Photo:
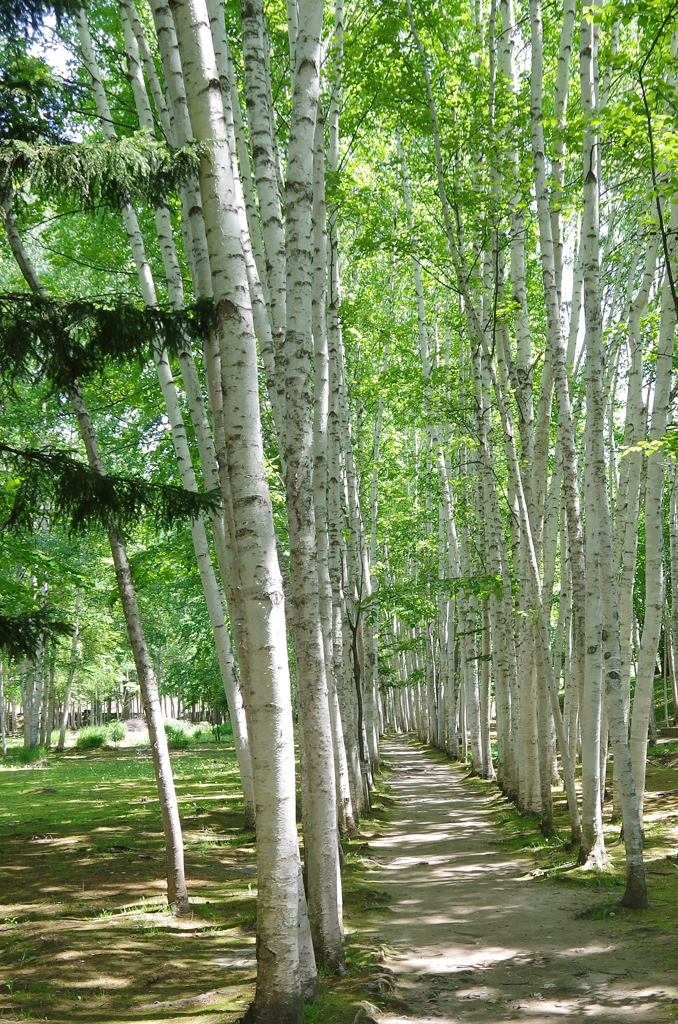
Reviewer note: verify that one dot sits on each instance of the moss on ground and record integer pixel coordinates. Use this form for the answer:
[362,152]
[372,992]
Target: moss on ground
[83,923]
[555,862]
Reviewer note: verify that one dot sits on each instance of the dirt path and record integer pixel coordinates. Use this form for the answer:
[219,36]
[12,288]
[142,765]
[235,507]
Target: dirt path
[472,937]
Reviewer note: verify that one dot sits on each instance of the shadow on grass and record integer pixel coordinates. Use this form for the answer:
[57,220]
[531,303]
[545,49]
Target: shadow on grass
[84,927]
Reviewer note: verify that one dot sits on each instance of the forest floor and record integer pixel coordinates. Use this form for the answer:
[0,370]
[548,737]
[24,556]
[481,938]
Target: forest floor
[446,919]
[474,932]
[85,934]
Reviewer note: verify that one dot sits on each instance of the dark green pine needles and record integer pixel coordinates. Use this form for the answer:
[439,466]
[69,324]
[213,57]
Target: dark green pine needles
[108,174]
[21,635]
[18,16]
[72,493]
[64,341]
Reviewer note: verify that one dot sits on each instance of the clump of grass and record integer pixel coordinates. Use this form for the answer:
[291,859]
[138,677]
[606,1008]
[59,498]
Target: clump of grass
[117,732]
[177,738]
[92,737]
[26,755]
[203,735]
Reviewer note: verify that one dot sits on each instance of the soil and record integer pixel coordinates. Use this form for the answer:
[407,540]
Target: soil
[470,935]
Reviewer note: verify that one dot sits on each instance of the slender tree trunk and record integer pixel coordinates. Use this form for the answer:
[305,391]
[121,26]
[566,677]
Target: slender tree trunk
[555,342]
[317,776]
[673,561]
[636,894]
[654,573]
[3,730]
[345,817]
[177,893]
[593,842]
[486,696]
[346,694]
[278,995]
[628,509]
[72,664]
[213,596]
[592,851]
[260,125]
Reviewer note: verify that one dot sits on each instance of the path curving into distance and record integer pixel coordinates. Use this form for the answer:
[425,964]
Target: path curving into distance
[471,936]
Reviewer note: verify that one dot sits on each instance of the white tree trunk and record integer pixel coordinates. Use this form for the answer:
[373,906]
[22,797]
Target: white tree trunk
[654,538]
[346,821]
[260,125]
[635,895]
[213,596]
[593,842]
[72,665]
[177,893]
[278,994]
[317,758]
[3,730]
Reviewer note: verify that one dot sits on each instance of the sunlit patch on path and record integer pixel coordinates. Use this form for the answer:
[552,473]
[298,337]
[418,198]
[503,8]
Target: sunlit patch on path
[471,937]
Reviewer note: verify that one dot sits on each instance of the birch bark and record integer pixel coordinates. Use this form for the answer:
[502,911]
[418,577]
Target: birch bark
[212,593]
[72,665]
[347,825]
[628,508]
[635,895]
[317,777]
[654,533]
[346,692]
[554,337]
[278,995]
[593,843]
[260,122]
[3,729]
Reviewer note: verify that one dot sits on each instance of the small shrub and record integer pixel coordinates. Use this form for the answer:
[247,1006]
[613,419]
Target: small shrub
[117,732]
[224,731]
[92,737]
[26,755]
[177,738]
[204,734]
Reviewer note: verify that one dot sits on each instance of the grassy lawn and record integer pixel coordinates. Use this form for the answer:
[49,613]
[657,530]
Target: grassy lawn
[84,929]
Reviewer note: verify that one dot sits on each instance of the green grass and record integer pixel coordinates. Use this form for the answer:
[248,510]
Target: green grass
[83,917]
[25,755]
[81,885]
[92,737]
[177,737]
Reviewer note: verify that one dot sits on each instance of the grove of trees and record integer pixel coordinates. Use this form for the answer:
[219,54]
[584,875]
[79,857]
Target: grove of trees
[337,370]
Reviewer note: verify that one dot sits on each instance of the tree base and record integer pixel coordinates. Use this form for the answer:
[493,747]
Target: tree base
[593,860]
[547,829]
[333,961]
[635,897]
[276,1011]
[181,908]
[310,989]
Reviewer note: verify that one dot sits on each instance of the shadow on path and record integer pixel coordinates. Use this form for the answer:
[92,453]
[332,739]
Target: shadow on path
[472,937]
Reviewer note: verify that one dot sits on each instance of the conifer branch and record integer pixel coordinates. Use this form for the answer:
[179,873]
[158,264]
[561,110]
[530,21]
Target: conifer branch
[16,16]
[111,173]
[20,635]
[81,498]
[69,340]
